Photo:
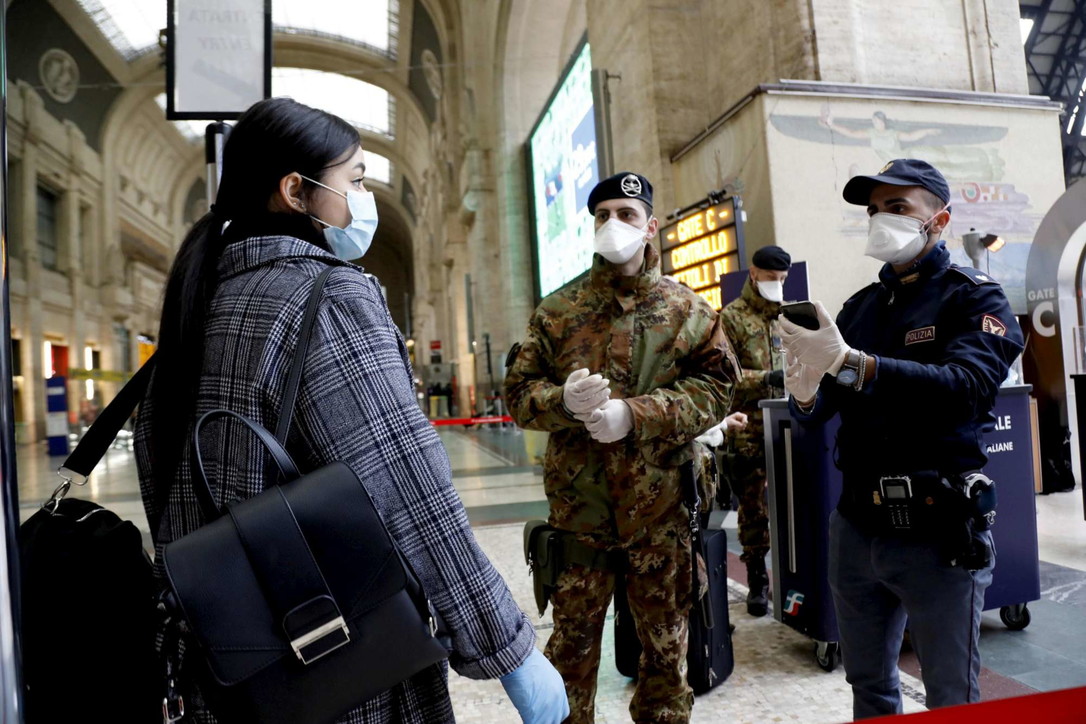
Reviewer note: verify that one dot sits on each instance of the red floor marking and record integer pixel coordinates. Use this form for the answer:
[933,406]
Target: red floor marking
[471,420]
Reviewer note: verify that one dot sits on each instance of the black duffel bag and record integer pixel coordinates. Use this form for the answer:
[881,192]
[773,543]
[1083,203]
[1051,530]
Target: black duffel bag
[88,620]
[299,600]
[88,596]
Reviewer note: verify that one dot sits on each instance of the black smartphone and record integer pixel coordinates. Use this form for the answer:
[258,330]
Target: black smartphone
[801,313]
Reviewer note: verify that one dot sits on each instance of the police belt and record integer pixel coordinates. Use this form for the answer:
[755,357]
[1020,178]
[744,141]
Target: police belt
[933,499]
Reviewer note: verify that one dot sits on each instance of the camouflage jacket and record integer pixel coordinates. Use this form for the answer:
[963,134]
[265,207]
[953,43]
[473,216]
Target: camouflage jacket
[665,353]
[751,324]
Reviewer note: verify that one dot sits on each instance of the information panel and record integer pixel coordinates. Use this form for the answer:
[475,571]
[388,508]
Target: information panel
[218,59]
[702,246]
[563,170]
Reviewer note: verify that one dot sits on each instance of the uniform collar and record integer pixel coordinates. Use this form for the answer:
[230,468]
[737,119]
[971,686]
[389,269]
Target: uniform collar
[605,276]
[930,265]
[757,302]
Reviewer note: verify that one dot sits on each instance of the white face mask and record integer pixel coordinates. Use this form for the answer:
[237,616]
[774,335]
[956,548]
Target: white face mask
[772,291]
[896,239]
[617,242]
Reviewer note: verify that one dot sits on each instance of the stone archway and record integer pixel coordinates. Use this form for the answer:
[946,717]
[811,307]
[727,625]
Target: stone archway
[1053,302]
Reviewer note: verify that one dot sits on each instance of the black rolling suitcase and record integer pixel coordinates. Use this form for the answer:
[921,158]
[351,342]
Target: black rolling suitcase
[709,657]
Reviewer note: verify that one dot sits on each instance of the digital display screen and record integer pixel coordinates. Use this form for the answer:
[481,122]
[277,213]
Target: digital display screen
[564,169]
[701,247]
[896,490]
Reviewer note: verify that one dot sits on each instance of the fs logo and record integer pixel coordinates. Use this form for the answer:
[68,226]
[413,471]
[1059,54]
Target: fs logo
[792,603]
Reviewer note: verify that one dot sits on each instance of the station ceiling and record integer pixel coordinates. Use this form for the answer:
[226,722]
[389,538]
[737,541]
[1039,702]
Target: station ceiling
[1055,48]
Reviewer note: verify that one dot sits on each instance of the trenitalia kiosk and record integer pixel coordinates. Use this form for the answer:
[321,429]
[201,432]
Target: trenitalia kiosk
[804,485]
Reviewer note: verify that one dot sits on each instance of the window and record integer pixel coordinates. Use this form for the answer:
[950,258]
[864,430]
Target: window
[47,228]
[132,26]
[367,22]
[362,104]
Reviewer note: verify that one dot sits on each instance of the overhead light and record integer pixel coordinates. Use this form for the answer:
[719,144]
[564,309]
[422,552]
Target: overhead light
[992,243]
[976,245]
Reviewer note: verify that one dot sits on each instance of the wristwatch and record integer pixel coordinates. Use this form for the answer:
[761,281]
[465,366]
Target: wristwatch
[849,373]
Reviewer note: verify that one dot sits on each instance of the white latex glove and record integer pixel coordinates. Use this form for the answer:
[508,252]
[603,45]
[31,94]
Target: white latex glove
[584,393]
[714,436]
[734,421]
[822,349]
[610,423]
[801,380]
[537,691]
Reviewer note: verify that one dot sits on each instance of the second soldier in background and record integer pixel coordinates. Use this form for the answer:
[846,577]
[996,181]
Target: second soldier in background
[624,368]
[751,324]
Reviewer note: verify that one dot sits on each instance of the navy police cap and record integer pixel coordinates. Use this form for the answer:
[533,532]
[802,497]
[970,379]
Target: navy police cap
[623,185]
[899,172]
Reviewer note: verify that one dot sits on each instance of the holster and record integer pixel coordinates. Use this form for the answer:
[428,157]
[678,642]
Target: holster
[542,553]
[548,550]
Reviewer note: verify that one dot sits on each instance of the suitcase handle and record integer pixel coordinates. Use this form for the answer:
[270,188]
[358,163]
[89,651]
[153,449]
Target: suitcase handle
[790,498]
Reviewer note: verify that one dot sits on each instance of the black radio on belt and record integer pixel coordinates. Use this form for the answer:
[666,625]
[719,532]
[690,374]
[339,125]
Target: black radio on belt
[896,492]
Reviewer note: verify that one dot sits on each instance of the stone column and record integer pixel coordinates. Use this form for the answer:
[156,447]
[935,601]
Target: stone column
[34,375]
[456,347]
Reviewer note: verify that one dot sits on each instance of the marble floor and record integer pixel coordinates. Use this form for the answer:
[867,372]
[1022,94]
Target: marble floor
[776,678]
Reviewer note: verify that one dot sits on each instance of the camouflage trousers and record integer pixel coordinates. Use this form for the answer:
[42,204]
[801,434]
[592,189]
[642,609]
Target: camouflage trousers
[658,581]
[748,479]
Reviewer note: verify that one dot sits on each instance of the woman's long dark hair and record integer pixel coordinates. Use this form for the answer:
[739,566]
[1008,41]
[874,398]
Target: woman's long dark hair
[271,139]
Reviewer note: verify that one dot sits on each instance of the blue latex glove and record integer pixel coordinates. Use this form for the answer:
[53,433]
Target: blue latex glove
[537,691]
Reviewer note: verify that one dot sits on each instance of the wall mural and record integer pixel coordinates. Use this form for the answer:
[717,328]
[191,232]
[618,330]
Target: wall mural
[968,155]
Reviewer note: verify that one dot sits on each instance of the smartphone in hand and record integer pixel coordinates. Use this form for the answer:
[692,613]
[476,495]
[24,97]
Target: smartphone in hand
[801,313]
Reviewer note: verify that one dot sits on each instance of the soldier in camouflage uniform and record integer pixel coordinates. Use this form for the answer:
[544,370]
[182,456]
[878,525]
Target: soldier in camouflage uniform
[612,474]
[751,325]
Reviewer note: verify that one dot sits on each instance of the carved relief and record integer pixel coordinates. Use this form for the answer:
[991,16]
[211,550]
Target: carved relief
[432,70]
[59,75]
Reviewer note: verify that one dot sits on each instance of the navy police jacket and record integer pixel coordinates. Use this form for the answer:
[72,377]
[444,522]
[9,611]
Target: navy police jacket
[945,337]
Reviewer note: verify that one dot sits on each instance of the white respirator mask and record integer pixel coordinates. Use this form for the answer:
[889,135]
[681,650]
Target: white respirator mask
[771,291]
[896,239]
[617,241]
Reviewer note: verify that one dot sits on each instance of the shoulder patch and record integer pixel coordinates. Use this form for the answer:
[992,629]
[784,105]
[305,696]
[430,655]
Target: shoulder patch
[993,325]
[974,275]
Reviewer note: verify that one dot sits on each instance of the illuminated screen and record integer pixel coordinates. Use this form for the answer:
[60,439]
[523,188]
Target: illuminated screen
[701,247]
[563,168]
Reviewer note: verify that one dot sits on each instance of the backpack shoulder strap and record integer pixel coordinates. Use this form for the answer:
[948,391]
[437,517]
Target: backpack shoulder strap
[294,379]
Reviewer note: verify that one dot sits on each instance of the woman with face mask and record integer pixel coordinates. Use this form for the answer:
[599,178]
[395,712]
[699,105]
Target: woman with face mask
[293,202]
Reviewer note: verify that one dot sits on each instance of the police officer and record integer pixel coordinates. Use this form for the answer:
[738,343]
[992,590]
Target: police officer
[913,365]
[624,368]
[751,325]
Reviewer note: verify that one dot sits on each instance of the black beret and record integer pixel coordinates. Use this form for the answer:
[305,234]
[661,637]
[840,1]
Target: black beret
[899,172]
[772,258]
[623,185]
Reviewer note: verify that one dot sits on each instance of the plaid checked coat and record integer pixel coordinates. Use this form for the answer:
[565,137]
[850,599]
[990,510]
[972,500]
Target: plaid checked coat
[357,405]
